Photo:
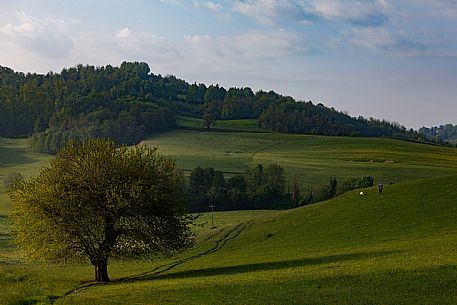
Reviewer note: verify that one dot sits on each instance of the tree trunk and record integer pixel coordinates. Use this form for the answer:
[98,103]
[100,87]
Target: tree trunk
[101,271]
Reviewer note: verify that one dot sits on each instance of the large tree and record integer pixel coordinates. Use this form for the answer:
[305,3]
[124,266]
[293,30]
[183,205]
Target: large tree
[96,201]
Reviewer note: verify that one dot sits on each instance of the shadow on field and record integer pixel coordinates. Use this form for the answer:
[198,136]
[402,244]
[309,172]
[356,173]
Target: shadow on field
[13,156]
[230,270]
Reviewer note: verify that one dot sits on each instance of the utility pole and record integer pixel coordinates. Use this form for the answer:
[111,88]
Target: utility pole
[212,215]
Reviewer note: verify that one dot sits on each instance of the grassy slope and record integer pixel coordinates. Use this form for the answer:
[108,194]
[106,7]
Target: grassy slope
[246,125]
[300,255]
[397,248]
[312,159]
[15,156]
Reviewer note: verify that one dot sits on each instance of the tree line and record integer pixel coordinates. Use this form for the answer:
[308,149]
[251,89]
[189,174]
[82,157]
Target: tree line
[305,117]
[261,187]
[127,102]
[258,188]
[443,134]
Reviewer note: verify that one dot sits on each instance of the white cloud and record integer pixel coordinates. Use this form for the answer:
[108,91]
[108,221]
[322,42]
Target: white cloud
[266,11]
[171,1]
[443,8]
[359,12]
[29,43]
[378,39]
[48,37]
[209,5]
[144,45]
[248,48]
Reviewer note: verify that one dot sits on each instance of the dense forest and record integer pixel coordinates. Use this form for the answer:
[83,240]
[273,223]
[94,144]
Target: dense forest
[127,102]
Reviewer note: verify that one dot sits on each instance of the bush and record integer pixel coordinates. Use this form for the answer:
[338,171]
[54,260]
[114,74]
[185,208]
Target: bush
[11,179]
[356,183]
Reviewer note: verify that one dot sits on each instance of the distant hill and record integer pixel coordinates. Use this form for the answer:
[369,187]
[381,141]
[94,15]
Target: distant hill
[127,102]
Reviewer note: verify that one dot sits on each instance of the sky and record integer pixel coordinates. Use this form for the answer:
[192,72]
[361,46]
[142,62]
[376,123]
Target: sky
[393,60]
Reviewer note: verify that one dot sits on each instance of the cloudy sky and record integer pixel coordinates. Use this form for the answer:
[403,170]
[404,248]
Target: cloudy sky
[386,59]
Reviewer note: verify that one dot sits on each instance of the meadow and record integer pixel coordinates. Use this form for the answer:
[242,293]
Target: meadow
[394,248]
[312,160]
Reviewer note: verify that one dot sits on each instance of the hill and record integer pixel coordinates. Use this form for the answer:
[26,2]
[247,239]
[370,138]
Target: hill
[395,248]
[126,103]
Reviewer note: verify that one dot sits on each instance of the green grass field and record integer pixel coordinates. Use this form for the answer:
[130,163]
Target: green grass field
[310,159]
[396,248]
[194,123]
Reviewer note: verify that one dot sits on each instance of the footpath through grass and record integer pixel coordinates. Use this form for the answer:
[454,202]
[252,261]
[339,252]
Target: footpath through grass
[395,248]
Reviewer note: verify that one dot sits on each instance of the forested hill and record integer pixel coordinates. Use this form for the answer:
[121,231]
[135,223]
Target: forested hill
[127,102]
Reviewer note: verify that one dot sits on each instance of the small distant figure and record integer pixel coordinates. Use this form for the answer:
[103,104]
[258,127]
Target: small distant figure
[380,187]
[361,193]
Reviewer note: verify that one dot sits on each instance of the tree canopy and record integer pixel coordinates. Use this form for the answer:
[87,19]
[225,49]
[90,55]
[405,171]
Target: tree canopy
[96,202]
[257,188]
[128,102]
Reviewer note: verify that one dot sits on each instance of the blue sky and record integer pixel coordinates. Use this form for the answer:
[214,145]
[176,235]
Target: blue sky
[377,58]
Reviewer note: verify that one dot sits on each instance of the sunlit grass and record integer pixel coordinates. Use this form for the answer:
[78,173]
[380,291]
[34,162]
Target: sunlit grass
[396,248]
[309,159]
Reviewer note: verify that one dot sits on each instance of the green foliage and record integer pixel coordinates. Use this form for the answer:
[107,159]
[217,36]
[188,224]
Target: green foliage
[11,180]
[328,191]
[97,201]
[213,99]
[206,187]
[126,126]
[209,120]
[398,248]
[256,189]
[85,102]
[305,117]
[443,134]
[128,102]
[356,183]
[331,187]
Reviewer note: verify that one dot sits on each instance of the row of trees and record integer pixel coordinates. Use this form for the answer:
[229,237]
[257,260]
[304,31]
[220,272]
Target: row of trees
[260,188]
[328,191]
[305,117]
[257,188]
[443,134]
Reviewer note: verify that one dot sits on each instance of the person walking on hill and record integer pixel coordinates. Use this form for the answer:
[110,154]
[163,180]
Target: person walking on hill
[380,187]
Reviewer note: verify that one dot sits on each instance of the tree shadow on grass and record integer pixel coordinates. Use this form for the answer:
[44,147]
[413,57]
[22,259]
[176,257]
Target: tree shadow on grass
[13,156]
[231,270]
[158,273]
